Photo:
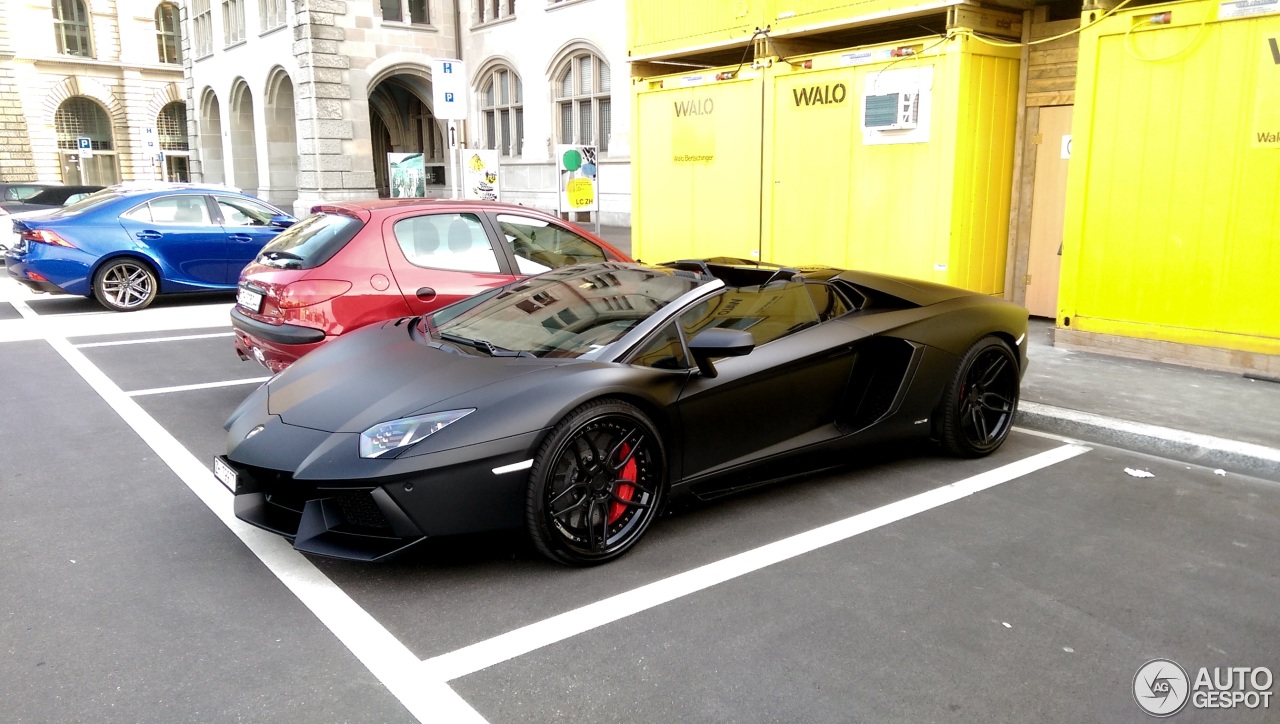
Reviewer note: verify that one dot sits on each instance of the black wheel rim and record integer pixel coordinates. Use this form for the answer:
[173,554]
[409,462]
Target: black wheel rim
[988,399]
[127,285]
[603,486]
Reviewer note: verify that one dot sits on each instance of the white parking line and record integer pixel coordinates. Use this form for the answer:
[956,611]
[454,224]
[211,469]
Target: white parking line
[148,340]
[482,655]
[422,686]
[198,386]
[386,658]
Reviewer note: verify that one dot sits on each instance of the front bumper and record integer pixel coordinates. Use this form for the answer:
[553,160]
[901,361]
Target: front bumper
[402,502]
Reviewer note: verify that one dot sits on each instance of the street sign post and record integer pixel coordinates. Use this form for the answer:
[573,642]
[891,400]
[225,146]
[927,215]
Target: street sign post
[449,102]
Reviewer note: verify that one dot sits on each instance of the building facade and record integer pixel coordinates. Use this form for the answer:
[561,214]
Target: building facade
[304,101]
[91,92]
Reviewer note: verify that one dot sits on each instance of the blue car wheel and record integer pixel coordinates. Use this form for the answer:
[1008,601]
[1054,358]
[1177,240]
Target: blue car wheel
[125,285]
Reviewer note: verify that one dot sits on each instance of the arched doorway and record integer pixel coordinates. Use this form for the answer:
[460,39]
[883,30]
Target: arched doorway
[211,163]
[401,123]
[171,126]
[244,140]
[86,147]
[282,140]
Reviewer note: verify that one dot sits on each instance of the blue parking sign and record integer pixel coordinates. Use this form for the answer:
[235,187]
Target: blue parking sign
[83,143]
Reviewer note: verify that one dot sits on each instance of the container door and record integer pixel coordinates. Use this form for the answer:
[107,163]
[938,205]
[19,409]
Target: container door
[1048,207]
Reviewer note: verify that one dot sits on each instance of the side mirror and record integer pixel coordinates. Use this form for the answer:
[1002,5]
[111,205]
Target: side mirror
[719,342]
[282,221]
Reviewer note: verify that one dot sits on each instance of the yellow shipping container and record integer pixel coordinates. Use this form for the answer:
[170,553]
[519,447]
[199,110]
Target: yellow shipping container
[1173,198]
[663,27]
[894,158]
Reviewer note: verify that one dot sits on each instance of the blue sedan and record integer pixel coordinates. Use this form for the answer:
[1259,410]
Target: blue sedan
[125,246]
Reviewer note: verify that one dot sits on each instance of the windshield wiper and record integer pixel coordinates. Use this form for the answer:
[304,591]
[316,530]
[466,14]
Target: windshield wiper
[485,346]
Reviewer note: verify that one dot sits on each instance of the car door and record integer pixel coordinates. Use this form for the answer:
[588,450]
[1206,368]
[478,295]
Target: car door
[439,258]
[247,225]
[179,231]
[537,245]
[783,395]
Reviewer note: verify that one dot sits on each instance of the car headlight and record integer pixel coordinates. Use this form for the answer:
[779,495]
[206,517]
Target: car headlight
[388,436]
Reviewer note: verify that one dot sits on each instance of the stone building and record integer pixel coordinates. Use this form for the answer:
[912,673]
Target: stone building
[101,74]
[302,101]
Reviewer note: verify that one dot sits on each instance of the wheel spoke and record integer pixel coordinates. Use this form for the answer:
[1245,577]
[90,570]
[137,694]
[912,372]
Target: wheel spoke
[588,524]
[570,509]
[618,446]
[630,454]
[993,371]
[551,504]
[585,439]
[979,423]
[629,503]
[632,483]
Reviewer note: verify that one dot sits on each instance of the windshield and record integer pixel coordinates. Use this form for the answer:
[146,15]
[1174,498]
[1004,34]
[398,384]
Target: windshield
[567,312]
[310,242]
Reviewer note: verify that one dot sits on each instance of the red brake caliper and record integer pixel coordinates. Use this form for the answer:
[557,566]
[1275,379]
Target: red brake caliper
[624,491]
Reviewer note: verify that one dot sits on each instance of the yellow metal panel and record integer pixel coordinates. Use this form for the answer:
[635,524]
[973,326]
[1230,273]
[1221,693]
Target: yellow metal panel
[696,161]
[935,210]
[1173,228]
[791,16]
[986,117]
[666,27]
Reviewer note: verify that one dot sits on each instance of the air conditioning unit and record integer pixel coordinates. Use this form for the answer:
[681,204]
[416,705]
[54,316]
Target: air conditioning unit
[891,111]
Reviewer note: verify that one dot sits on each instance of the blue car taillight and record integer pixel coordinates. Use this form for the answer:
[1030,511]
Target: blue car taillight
[44,236]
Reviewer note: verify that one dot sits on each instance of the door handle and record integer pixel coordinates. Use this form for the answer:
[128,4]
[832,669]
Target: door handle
[240,237]
[148,235]
[426,294]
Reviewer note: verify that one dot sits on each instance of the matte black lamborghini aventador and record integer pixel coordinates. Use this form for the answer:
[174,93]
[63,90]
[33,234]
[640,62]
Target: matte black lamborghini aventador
[574,403]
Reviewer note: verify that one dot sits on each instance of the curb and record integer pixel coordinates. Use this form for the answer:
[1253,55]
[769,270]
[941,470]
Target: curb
[1192,447]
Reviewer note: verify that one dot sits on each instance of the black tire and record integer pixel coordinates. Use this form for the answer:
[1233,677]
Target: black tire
[125,285]
[981,400]
[597,482]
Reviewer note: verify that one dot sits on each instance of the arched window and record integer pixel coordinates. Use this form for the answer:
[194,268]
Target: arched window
[168,42]
[171,126]
[582,100]
[71,27]
[502,106]
[79,117]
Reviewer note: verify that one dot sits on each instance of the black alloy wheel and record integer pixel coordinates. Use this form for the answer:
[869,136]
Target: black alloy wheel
[981,400]
[125,285]
[596,484]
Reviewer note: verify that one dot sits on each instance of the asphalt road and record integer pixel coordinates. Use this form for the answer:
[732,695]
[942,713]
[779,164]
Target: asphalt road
[1031,589]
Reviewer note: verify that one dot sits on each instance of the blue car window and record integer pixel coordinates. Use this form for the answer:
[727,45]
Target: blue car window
[187,209]
[243,212]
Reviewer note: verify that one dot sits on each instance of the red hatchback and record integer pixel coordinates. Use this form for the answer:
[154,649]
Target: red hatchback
[355,263]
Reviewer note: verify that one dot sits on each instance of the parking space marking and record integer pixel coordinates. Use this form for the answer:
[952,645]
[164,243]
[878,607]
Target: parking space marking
[482,655]
[198,386]
[389,660]
[149,340]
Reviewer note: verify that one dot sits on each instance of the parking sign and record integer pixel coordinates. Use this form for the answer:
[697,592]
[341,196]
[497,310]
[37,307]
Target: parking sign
[85,145]
[449,89]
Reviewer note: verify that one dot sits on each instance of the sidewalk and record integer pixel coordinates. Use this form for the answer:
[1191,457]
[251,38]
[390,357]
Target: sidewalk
[1216,419]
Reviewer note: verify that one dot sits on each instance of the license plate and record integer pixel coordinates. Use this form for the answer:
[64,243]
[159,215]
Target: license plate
[249,299]
[224,474]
